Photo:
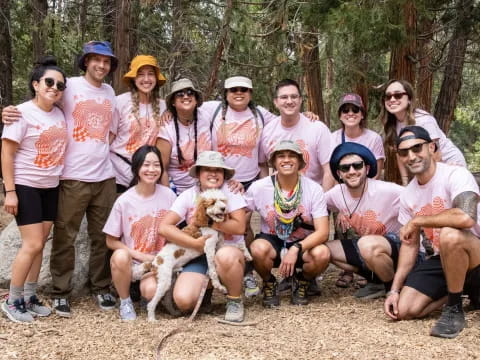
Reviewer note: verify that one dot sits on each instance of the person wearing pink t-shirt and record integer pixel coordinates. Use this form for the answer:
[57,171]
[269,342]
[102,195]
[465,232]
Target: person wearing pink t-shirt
[33,151]
[314,138]
[132,227]
[185,136]
[211,172]
[294,225]
[443,201]
[136,119]
[399,109]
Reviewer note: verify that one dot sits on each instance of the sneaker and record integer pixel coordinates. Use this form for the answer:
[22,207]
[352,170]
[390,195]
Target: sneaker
[251,286]
[285,286]
[105,301]
[313,288]
[36,308]
[17,311]
[270,293]
[299,294]
[127,312]
[370,291]
[235,311]
[451,322]
[62,307]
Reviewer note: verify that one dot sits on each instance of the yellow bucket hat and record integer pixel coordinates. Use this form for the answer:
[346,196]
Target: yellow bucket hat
[139,61]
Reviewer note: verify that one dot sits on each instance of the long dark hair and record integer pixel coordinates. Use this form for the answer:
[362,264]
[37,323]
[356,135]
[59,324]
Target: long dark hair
[138,158]
[43,64]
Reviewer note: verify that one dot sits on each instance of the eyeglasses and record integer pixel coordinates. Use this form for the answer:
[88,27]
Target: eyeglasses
[293,97]
[238,89]
[182,93]
[415,149]
[50,82]
[357,165]
[397,95]
[353,108]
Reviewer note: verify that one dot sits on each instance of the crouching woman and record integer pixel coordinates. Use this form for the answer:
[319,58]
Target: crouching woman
[211,173]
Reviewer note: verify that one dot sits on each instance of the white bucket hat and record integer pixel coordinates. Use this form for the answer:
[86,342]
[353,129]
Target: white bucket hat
[238,81]
[211,159]
[287,145]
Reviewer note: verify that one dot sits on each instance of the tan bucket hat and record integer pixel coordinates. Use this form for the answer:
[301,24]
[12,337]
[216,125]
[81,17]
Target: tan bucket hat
[211,159]
[287,145]
[180,85]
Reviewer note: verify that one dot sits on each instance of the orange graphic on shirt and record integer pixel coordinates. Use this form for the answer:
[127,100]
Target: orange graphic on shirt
[92,120]
[237,138]
[141,132]
[366,224]
[436,207]
[145,233]
[188,149]
[303,148]
[51,147]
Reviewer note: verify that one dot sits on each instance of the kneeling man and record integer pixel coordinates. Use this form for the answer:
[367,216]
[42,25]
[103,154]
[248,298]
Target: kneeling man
[294,225]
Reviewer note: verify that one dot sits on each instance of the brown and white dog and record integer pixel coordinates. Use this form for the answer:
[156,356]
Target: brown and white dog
[211,207]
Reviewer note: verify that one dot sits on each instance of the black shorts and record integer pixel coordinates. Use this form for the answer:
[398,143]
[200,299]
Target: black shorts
[246,184]
[277,244]
[36,205]
[428,278]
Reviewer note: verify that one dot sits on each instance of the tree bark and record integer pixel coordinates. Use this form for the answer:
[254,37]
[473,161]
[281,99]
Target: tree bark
[217,57]
[83,20]
[329,79]
[452,76]
[425,75]
[39,33]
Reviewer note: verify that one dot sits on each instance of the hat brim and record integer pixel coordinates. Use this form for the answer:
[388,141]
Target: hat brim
[350,148]
[132,74]
[301,166]
[113,64]
[229,172]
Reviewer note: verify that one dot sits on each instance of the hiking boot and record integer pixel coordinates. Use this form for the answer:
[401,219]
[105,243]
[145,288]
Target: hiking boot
[451,322]
[251,286]
[235,311]
[370,291]
[36,308]
[127,311]
[299,293]
[313,288]
[285,286]
[105,301]
[61,307]
[270,293]
[17,311]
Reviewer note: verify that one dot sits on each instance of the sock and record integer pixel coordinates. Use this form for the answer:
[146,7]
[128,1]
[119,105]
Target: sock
[15,293]
[234,298]
[125,301]
[454,298]
[29,289]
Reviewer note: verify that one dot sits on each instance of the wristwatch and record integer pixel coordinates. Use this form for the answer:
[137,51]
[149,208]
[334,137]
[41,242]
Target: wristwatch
[299,246]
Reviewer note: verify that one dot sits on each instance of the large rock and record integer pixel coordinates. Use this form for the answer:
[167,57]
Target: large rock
[10,243]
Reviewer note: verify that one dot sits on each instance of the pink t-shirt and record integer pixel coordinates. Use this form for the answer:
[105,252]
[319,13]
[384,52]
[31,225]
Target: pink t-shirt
[179,172]
[135,219]
[131,133]
[450,153]
[377,212]
[185,204]
[313,205]
[42,139]
[238,137]
[436,196]
[313,137]
[88,112]
[368,138]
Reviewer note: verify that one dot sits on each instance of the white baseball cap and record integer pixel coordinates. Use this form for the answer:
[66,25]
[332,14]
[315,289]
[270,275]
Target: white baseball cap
[238,81]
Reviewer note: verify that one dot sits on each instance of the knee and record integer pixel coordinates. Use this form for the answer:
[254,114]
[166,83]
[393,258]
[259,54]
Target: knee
[228,256]
[450,238]
[120,259]
[320,254]
[32,247]
[184,300]
[260,249]
[147,289]
[408,311]
[370,249]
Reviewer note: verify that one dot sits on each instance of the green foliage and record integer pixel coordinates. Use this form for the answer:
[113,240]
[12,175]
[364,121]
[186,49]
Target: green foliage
[465,133]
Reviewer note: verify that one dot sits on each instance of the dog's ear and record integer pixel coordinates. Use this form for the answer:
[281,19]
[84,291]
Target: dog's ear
[201,219]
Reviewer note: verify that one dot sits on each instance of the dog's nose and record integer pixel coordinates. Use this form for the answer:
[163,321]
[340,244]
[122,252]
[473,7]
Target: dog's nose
[222,209]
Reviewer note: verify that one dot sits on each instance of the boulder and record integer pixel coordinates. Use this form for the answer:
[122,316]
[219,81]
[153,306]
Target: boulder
[10,243]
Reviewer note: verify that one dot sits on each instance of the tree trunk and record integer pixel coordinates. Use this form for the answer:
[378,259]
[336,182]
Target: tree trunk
[329,80]
[313,77]
[452,76]
[39,32]
[425,75]
[360,76]
[217,57]
[83,20]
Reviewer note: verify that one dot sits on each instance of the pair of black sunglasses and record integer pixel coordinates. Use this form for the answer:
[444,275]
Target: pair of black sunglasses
[348,108]
[50,82]
[397,95]
[182,93]
[415,149]
[357,165]
[238,88]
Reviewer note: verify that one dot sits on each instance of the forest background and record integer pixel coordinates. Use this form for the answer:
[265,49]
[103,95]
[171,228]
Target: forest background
[329,46]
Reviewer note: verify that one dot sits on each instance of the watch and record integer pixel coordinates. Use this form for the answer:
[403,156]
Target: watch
[299,246]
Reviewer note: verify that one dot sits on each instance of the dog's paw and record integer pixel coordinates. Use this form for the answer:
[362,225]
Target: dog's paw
[248,257]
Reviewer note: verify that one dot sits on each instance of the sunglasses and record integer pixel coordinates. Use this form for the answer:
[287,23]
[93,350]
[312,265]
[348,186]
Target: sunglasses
[50,82]
[238,88]
[352,108]
[357,165]
[182,93]
[397,95]
[415,149]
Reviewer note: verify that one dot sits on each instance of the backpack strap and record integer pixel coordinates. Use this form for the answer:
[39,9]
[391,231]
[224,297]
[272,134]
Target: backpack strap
[261,116]
[214,116]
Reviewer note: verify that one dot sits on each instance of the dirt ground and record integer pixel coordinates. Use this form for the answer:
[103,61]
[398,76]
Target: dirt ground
[333,326]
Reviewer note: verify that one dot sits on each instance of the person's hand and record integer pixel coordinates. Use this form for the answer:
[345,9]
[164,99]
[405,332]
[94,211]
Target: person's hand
[11,203]
[312,116]
[409,233]
[10,114]
[235,186]
[391,305]
[342,222]
[166,117]
[145,257]
[287,266]
[199,244]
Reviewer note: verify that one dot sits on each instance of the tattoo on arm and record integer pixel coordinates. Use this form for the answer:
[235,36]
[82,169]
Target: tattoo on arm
[467,202]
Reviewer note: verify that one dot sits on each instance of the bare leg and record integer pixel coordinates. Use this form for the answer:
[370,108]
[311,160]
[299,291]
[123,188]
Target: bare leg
[121,265]
[263,255]
[316,261]
[230,263]
[377,254]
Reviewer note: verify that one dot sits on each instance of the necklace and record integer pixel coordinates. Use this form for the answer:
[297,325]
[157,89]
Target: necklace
[350,213]
[286,209]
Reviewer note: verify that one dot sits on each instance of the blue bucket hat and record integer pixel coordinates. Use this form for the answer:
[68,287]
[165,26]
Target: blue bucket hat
[351,148]
[100,48]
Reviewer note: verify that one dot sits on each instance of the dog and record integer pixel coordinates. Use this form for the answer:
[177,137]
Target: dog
[211,207]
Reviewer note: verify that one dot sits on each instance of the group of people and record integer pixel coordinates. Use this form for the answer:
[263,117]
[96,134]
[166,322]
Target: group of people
[134,164]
